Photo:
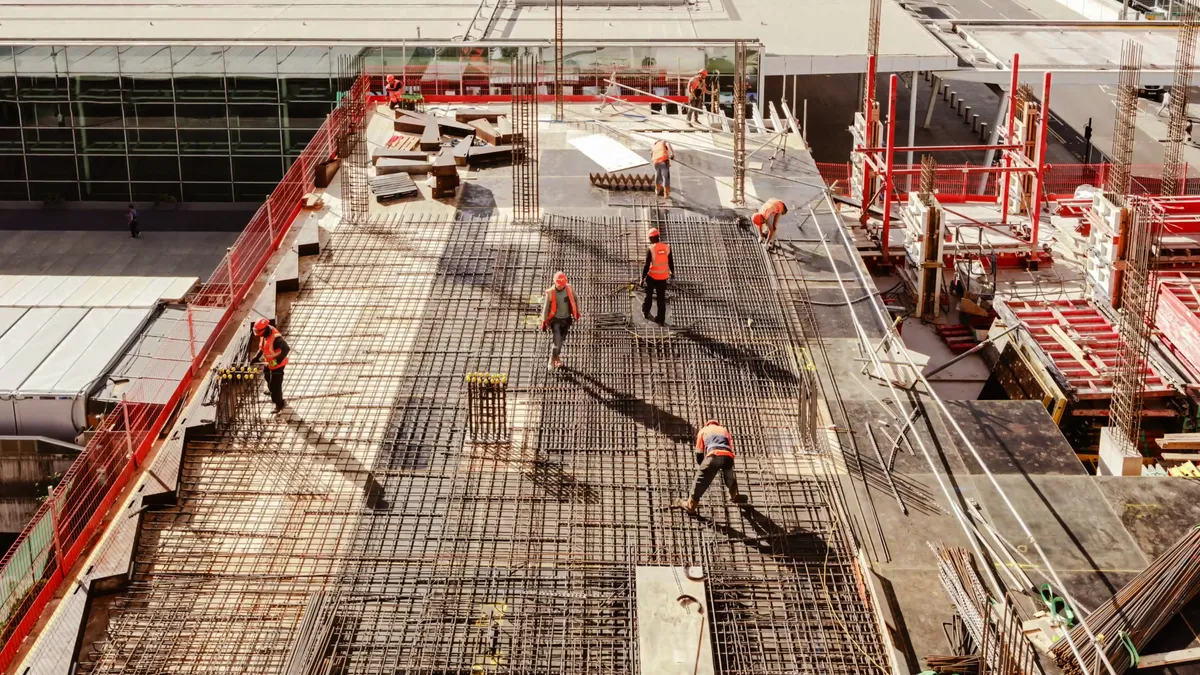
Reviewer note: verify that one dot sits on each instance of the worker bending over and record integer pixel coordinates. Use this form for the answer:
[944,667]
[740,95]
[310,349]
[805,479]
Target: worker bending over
[697,87]
[273,352]
[658,269]
[714,453]
[559,310]
[767,220]
[394,91]
[662,154]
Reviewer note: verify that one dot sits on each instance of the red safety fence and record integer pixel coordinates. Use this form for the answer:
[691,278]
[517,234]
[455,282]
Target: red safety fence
[466,79]
[35,566]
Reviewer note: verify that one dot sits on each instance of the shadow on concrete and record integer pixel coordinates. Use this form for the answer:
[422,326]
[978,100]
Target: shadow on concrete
[344,462]
[794,545]
[646,414]
[755,363]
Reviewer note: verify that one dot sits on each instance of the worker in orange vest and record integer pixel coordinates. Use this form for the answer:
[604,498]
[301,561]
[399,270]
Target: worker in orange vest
[273,352]
[560,309]
[767,220]
[394,91]
[697,87]
[661,155]
[714,454]
[658,269]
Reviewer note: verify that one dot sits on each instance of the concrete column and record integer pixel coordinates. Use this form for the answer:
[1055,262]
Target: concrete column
[912,122]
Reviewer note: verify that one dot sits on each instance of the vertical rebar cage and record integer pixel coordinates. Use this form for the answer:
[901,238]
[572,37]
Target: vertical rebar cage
[739,123]
[526,206]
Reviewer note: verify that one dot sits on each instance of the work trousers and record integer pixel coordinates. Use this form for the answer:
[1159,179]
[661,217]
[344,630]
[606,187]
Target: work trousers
[275,386]
[696,101]
[709,468]
[767,231]
[662,175]
[134,231]
[558,334]
[656,287]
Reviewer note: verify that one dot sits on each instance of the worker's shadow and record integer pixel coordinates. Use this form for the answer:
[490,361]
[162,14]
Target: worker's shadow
[545,474]
[756,364]
[769,538]
[344,461]
[646,414]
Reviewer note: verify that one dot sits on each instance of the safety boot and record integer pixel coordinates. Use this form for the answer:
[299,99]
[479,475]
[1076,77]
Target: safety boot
[737,497]
[666,193]
[686,504]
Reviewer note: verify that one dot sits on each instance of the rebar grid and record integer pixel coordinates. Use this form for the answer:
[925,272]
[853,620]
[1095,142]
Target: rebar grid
[558,60]
[517,557]
[1173,178]
[739,123]
[352,144]
[1125,128]
[526,206]
[928,179]
[1139,304]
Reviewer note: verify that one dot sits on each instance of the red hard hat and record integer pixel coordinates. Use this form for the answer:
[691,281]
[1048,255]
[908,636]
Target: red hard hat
[712,423]
[758,219]
[391,78]
[652,232]
[261,326]
[704,71]
[560,279]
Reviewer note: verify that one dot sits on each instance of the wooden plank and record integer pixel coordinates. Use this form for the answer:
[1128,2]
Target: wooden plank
[1073,349]
[485,130]
[488,154]
[388,166]
[469,114]
[431,140]
[409,124]
[1169,658]
[444,164]
[381,153]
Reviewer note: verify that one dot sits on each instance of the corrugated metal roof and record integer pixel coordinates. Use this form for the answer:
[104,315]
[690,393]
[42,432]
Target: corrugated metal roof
[27,344]
[85,353]
[80,291]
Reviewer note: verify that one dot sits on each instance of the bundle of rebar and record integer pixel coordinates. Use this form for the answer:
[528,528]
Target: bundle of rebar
[237,392]
[487,403]
[1130,619]
[949,664]
[308,655]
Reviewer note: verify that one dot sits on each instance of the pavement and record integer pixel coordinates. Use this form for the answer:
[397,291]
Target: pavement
[76,253]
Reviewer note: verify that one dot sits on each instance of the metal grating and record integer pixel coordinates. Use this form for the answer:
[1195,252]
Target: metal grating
[449,556]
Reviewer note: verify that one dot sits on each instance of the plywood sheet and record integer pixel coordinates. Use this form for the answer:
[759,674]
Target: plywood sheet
[608,153]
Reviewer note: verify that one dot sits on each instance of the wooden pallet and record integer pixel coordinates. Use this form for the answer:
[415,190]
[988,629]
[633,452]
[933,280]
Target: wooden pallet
[395,186]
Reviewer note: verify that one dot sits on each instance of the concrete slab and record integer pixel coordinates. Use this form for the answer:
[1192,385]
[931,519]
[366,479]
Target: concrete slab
[672,614]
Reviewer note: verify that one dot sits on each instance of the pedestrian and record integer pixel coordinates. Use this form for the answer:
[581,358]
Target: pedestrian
[767,221]
[134,232]
[655,273]
[273,351]
[662,154]
[714,454]
[610,92]
[560,309]
[1166,104]
[697,87]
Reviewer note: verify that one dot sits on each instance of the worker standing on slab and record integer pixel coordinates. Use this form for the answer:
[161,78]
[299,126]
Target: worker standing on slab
[655,273]
[767,220]
[714,453]
[273,352]
[697,87]
[662,154]
[560,309]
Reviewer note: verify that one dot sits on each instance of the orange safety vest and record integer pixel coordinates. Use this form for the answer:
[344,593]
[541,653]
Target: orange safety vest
[269,351]
[695,83]
[660,267]
[661,152]
[772,207]
[714,439]
[554,301]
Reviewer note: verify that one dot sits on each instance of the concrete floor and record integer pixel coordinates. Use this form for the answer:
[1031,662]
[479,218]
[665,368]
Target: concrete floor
[112,253]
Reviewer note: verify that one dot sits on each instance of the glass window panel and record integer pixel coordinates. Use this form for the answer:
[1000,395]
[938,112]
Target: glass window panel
[50,115]
[296,141]
[250,116]
[264,89]
[253,61]
[110,141]
[257,169]
[150,115]
[103,167]
[40,60]
[98,115]
[156,168]
[7,63]
[49,140]
[14,191]
[42,88]
[157,192]
[205,168]
[148,89]
[252,192]
[12,167]
[306,62]
[104,192]
[207,192]
[307,115]
[192,141]
[200,89]
[200,116]
[201,60]
[256,142]
[8,86]
[393,57]
[92,60]
[306,89]
[10,140]
[93,88]
[51,167]
[145,141]
[9,116]
[54,192]
[141,61]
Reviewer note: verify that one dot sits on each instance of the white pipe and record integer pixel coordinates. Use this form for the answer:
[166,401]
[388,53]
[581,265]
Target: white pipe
[912,123]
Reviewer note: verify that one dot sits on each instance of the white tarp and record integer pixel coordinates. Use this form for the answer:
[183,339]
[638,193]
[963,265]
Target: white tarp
[606,152]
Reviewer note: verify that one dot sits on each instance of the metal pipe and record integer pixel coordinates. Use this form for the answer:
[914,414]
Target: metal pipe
[912,122]
[969,352]
[868,136]
[888,183]
[1012,118]
[1036,202]
[941,148]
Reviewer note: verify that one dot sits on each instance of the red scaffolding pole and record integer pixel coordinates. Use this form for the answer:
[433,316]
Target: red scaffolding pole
[1012,120]
[868,104]
[1035,206]
[887,172]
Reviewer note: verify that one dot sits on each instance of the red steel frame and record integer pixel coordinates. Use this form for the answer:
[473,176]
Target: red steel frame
[1178,317]
[36,565]
[1014,162]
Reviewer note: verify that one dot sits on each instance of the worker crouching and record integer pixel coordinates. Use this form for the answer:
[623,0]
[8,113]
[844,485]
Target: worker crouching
[560,309]
[767,221]
[273,352]
[714,452]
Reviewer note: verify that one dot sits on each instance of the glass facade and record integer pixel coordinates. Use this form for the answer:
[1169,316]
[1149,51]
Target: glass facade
[218,124]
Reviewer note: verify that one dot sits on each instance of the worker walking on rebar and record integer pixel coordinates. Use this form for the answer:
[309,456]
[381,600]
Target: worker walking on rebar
[560,309]
[767,220]
[656,272]
[697,87]
[714,454]
[273,351]
[661,155]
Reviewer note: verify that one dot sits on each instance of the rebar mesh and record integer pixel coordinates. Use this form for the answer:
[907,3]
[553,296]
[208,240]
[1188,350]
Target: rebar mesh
[1173,178]
[1124,128]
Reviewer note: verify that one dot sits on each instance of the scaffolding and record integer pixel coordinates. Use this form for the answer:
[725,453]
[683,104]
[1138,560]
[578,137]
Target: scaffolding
[525,160]
[1174,168]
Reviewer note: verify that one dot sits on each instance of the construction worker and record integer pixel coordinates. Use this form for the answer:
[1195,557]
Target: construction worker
[697,87]
[559,310]
[767,220]
[714,454]
[658,269]
[394,91]
[662,154]
[610,92]
[273,352]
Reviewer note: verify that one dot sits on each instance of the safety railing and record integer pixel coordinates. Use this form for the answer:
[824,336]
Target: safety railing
[467,79]
[65,524]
